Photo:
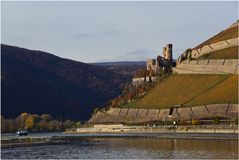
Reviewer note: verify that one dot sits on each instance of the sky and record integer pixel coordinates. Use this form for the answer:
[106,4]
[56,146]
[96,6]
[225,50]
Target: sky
[113,31]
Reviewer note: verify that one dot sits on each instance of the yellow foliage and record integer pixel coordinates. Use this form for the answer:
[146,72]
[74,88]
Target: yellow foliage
[30,122]
[196,122]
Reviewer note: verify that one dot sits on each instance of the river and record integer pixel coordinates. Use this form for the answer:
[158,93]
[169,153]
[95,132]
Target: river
[125,147]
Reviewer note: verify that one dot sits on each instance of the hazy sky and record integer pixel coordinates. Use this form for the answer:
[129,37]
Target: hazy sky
[112,31]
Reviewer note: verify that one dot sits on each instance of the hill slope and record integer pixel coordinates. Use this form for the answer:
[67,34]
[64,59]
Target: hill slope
[39,82]
[228,33]
[127,68]
[191,90]
[226,53]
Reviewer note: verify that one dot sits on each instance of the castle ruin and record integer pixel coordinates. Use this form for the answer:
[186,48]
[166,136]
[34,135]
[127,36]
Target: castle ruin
[165,62]
[153,66]
[168,52]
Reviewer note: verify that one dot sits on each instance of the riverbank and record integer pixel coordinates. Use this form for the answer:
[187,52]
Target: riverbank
[120,128]
[74,138]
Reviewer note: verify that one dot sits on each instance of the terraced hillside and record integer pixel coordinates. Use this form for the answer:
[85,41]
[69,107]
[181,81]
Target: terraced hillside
[226,53]
[191,90]
[230,32]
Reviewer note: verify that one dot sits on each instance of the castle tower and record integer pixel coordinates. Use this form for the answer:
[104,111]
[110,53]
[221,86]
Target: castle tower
[168,52]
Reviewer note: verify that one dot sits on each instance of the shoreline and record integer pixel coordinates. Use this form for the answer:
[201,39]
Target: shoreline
[76,137]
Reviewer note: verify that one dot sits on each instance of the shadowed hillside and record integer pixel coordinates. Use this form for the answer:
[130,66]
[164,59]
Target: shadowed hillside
[39,82]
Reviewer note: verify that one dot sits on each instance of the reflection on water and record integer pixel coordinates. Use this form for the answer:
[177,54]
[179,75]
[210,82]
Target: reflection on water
[129,148]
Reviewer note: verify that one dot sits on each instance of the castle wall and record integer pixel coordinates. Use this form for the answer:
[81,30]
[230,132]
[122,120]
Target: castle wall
[134,115]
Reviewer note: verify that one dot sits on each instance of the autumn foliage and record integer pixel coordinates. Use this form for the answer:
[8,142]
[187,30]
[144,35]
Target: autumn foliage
[36,123]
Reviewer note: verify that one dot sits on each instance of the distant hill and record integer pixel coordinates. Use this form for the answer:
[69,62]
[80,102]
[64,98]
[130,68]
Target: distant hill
[39,82]
[127,68]
[121,63]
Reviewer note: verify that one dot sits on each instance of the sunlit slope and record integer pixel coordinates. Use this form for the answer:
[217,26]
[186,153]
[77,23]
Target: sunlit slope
[231,32]
[226,53]
[227,91]
[191,90]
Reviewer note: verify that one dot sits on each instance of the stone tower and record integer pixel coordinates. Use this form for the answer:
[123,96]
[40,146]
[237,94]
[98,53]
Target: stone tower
[168,52]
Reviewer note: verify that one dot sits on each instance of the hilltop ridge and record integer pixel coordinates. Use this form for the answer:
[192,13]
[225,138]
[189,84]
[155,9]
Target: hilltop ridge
[39,82]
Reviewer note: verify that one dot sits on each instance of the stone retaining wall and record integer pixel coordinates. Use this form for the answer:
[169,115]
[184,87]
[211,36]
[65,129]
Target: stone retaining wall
[223,66]
[214,47]
[134,115]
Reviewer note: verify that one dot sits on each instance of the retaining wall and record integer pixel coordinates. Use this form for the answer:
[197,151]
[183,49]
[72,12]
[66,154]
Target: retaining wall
[222,66]
[214,47]
[133,115]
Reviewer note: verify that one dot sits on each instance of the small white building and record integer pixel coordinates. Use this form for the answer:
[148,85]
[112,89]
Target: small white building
[141,80]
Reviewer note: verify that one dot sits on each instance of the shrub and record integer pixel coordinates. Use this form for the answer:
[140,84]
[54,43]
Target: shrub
[236,121]
[216,120]
[196,122]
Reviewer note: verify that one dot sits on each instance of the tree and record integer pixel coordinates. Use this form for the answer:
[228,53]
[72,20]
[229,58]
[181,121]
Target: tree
[54,125]
[11,125]
[46,117]
[43,126]
[78,124]
[21,120]
[3,125]
[30,122]
[68,124]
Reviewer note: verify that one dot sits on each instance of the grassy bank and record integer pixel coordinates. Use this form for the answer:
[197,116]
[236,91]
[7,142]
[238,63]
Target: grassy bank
[190,90]
[227,53]
[223,35]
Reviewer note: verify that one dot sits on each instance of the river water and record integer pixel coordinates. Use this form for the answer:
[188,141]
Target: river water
[122,147]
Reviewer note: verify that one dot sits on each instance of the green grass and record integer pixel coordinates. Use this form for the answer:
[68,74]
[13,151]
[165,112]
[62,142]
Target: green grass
[227,53]
[190,90]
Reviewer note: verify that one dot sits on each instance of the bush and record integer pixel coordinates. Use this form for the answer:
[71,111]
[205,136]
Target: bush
[96,110]
[216,120]
[168,122]
[196,122]
[236,121]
